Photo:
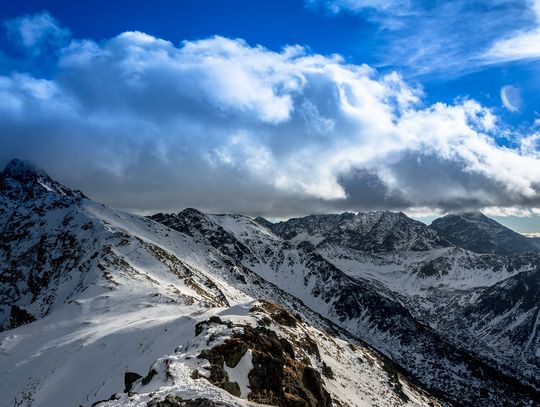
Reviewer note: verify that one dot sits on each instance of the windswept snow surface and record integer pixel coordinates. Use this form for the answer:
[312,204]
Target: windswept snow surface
[360,378]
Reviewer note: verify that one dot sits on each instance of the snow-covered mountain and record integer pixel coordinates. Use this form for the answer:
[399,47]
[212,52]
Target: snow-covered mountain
[190,309]
[476,232]
[369,311]
[443,287]
[98,302]
[379,231]
[501,320]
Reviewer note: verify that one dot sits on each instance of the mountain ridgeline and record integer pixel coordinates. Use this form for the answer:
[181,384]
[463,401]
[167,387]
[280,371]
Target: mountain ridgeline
[476,232]
[100,307]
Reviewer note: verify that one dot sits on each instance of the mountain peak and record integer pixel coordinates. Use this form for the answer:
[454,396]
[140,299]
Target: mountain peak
[263,221]
[472,215]
[479,233]
[22,170]
[375,231]
[20,177]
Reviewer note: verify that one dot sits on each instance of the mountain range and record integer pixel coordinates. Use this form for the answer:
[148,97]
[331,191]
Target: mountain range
[101,307]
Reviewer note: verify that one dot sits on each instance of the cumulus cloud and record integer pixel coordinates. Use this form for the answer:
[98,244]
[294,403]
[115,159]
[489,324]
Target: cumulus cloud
[219,124]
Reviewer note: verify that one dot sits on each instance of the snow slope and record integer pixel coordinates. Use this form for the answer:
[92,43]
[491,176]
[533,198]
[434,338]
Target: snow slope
[443,287]
[89,294]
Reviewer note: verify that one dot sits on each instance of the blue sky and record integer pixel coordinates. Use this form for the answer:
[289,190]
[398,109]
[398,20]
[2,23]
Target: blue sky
[280,108]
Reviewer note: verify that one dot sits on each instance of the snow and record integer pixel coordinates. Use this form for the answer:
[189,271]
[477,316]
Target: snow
[240,225]
[239,373]
[306,237]
[52,353]
[399,270]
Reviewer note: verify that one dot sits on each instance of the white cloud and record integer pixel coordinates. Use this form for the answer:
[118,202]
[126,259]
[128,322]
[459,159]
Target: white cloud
[223,125]
[37,32]
[396,7]
[535,4]
[525,44]
[512,211]
[532,234]
[530,145]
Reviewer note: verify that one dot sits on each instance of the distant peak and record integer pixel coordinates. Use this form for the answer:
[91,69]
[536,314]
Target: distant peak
[466,216]
[381,214]
[191,212]
[21,169]
[261,219]
[20,177]
[378,213]
[473,215]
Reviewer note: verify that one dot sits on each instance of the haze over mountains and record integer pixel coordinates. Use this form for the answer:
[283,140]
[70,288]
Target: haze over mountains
[101,307]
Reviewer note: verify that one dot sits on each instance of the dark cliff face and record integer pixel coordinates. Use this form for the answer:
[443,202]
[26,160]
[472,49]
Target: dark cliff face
[196,224]
[264,222]
[478,233]
[41,242]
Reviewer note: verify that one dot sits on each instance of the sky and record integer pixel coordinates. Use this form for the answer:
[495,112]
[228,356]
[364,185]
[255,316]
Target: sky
[280,108]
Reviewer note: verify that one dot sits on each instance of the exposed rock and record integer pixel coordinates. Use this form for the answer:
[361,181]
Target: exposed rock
[276,377]
[379,231]
[233,388]
[327,371]
[148,378]
[263,222]
[23,180]
[176,401]
[19,316]
[278,313]
[129,379]
[212,320]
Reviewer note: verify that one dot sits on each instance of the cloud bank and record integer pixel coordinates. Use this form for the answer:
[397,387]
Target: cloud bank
[142,124]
